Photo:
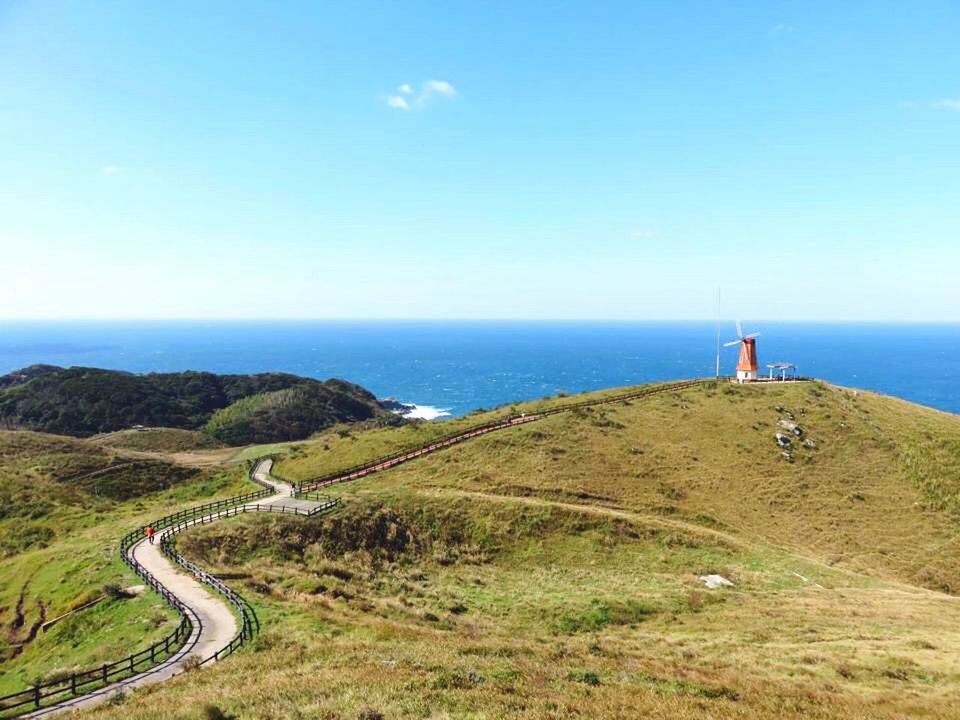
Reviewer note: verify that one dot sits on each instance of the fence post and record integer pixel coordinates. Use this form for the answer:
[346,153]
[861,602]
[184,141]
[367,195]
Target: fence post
[73,684]
[104,673]
[36,695]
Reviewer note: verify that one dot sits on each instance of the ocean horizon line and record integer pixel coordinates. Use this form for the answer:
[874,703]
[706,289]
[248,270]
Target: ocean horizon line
[625,321]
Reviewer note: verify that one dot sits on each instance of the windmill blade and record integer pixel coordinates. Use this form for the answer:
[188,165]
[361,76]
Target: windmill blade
[739,329]
[732,342]
[751,335]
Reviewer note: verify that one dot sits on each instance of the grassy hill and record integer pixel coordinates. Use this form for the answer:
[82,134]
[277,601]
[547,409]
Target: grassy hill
[45,477]
[64,503]
[158,440]
[553,569]
[236,409]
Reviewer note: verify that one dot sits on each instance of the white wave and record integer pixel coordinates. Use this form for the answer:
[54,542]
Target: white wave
[423,412]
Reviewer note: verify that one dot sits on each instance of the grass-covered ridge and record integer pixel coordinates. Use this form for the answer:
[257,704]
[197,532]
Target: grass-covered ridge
[873,491]
[46,478]
[551,570]
[157,440]
[85,401]
[64,503]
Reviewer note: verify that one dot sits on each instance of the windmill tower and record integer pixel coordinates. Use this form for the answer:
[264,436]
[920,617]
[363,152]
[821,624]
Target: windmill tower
[747,363]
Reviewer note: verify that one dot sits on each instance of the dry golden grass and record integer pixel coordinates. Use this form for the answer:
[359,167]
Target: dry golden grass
[710,458]
[551,571]
[157,439]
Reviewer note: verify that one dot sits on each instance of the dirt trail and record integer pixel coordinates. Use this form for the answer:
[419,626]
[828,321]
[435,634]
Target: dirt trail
[604,510]
[687,527]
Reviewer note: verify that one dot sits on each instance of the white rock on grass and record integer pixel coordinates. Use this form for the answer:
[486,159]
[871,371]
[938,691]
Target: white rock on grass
[715,581]
[791,426]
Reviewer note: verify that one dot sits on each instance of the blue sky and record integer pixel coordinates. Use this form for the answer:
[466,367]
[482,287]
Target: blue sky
[480,160]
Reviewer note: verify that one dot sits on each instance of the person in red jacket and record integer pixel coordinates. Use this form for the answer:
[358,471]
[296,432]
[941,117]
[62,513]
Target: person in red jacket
[149,532]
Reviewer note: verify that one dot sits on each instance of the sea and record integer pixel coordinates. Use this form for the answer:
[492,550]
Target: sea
[449,368]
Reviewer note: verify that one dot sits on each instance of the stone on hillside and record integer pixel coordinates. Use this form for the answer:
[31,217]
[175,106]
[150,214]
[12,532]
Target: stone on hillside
[782,440]
[791,426]
[715,581]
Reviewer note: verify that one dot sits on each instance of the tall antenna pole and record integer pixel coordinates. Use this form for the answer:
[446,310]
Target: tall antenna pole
[718,334]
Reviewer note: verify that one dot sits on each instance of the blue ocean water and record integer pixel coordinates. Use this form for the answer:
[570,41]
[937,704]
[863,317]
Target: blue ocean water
[462,365]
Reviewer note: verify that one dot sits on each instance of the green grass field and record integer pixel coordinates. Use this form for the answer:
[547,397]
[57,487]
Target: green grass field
[60,536]
[164,440]
[552,570]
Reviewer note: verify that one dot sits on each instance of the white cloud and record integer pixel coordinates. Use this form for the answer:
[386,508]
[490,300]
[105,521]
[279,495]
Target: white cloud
[110,169]
[406,98]
[948,104]
[438,87]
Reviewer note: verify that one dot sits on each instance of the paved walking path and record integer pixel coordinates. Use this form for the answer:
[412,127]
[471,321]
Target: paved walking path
[213,621]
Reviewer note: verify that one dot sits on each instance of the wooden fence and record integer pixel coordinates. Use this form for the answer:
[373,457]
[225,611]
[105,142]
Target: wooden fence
[176,644]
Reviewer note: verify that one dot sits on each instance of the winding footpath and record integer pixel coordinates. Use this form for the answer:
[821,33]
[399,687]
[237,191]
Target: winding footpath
[214,625]
[214,628]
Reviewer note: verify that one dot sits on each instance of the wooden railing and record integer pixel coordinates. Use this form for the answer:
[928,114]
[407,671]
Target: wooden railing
[175,523]
[249,623]
[512,420]
[178,642]
[80,683]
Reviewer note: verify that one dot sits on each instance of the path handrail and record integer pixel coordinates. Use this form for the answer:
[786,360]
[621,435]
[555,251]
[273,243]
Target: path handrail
[512,420]
[85,681]
[209,512]
[249,622]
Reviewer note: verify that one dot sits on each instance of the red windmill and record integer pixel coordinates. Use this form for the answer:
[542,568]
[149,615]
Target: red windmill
[747,364]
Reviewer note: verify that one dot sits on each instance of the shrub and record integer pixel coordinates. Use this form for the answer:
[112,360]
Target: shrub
[599,614]
[456,679]
[115,592]
[585,676]
[212,712]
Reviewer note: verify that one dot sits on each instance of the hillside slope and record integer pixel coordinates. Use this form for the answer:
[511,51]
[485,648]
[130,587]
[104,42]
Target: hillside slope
[157,440]
[879,491]
[552,569]
[43,476]
[64,502]
[85,401]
